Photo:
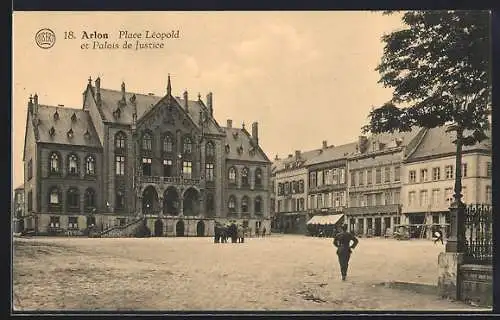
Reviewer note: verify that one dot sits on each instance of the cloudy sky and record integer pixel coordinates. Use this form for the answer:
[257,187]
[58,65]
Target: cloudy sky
[304,76]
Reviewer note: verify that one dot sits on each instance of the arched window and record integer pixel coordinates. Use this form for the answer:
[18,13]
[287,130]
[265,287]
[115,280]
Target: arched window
[244,177]
[73,164]
[147,141]
[244,204]
[90,165]
[73,198]
[54,163]
[89,198]
[209,149]
[258,205]
[232,175]
[188,145]
[258,177]
[54,198]
[120,140]
[232,204]
[168,143]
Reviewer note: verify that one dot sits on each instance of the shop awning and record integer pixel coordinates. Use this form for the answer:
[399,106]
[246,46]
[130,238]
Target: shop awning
[325,219]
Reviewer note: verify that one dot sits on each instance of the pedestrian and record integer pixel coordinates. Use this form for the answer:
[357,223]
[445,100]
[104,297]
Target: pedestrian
[439,236]
[264,232]
[344,248]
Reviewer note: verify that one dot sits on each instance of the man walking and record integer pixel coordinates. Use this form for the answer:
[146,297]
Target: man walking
[344,248]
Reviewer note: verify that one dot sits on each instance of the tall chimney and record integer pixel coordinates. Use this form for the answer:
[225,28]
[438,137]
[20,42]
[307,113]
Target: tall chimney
[297,154]
[98,90]
[210,103]
[35,104]
[229,123]
[325,144]
[186,100]
[123,93]
[255,132]
[30,104]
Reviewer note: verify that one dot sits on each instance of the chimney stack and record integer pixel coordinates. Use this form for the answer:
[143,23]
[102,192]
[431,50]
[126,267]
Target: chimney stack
[35,104]
[276,158]
[297,154]
[255,132]
[229,123]
[98,90]
[210,103]
[123,93]
[186,101]
[325,145]
[30,104]
[362,141]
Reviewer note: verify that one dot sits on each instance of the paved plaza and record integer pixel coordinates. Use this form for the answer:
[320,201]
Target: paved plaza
[281,272]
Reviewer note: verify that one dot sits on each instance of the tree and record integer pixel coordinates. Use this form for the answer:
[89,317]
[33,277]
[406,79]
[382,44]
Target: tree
[439,69]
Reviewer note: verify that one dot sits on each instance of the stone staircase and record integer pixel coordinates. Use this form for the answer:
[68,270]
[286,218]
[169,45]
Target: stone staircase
[125,231]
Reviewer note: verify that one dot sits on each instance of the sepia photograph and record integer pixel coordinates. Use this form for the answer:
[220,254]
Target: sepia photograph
[229,161]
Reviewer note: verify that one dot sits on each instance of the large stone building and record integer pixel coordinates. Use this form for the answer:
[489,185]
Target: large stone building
[328,183]
[375,182]
[428,179]
[126,157]
[290,183]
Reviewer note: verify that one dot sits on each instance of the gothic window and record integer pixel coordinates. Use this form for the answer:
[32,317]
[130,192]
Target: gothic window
[187,168]
[258,205]
[167,168]
[244,177]
[209,171]
[73,165]
[232,204]
[89,198]
[244,204]
[146,166]
[168,144]
[147,142]
[120,165]
[73,198]
[120,140]
[188,145]
[120,200]
[54,198]
[232,175]
[258,177]
[90,165]
[210,150]
[55,163]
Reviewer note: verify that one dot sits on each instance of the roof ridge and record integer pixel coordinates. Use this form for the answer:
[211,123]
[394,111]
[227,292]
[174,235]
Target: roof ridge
[61,107]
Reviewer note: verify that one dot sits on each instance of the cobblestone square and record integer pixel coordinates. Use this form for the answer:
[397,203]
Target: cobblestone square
[274,273]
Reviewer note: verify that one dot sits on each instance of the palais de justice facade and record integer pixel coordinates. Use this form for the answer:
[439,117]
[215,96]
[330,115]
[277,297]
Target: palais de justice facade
[124,156]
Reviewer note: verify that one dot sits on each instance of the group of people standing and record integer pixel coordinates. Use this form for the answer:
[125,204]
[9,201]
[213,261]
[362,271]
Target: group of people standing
[234,231]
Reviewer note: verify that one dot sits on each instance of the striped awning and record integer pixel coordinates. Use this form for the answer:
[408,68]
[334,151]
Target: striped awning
[325,219]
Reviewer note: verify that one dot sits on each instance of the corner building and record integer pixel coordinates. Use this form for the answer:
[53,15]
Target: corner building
[125,157]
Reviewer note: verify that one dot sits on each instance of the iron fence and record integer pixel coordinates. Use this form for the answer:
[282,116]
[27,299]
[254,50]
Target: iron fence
[478,234]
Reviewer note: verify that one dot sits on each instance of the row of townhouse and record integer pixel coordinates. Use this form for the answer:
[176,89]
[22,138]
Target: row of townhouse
[378,183]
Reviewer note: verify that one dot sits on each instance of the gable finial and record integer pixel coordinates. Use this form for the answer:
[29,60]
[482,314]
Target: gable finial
[90,80]
[169,86]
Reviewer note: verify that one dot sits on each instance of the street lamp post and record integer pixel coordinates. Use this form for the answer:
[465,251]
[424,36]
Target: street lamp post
[456,239]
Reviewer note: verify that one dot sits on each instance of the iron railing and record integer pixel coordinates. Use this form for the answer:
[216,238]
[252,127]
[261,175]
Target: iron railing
[478,234]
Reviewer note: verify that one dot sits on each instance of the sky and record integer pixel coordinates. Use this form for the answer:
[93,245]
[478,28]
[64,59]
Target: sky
[304,77]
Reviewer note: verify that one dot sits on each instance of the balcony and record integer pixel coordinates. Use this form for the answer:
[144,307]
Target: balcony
[170,180]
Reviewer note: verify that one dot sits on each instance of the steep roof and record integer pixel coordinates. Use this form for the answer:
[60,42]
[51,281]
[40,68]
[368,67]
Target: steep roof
[332,153]
[241,146]
[439,142]
[144,103]
[280,164]
[66,119]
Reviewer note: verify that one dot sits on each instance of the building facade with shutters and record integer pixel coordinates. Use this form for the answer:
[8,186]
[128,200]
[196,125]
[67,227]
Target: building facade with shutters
[375,182]
[428,180]
[125,155]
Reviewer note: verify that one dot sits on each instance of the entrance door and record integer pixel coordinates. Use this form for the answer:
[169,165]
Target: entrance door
[387,222]
[179,228]
[158,228]
[200,229]
[378,227]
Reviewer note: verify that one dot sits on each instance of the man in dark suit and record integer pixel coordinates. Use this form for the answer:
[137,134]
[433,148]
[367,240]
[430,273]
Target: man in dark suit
[344,248]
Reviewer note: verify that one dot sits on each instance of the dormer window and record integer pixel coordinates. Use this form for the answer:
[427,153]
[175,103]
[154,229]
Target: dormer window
[235,134]
[73,117]
[133,98]
[70,133]
[52,131]
[87,134]
[240,149]
[117,113]
[56,115]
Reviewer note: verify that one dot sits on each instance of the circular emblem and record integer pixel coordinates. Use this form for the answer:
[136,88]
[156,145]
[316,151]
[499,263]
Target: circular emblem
[45,38]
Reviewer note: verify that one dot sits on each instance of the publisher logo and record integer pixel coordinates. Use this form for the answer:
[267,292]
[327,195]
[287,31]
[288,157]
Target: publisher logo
[45,38]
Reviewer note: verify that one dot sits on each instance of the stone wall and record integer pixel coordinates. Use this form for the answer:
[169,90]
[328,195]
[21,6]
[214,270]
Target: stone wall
[476,284]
